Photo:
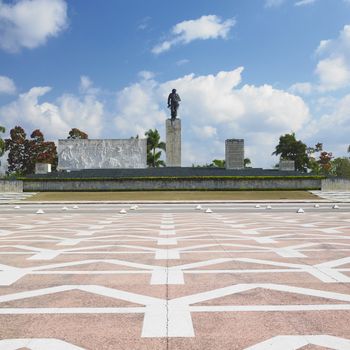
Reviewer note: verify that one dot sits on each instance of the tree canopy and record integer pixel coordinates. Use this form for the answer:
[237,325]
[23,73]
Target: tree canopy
[24,153]
[290,148]
[77,134]
[341,167]
[2,142]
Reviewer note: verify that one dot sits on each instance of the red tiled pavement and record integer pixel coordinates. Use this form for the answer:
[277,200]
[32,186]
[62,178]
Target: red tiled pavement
[175,280]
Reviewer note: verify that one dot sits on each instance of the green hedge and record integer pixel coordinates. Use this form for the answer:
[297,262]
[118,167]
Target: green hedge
[175,178]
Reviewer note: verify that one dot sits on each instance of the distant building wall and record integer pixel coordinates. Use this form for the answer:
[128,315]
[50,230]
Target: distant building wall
[102,154]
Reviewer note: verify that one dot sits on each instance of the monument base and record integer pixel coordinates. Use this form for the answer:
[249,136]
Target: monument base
[173,142]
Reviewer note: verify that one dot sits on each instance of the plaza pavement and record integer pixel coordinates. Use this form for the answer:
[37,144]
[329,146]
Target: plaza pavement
[174,276]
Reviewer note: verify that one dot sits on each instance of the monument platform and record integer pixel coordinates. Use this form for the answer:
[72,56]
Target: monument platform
[164,179]
[163,172]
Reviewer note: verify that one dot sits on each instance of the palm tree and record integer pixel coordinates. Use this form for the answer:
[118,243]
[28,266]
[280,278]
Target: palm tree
[154,143]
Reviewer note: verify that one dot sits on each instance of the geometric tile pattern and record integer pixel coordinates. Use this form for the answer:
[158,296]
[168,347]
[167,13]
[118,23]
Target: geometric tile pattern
[7,197]
[337,196]
[172,277]
[298,342]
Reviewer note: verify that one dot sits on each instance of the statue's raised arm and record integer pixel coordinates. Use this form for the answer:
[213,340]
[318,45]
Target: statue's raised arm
[173,103]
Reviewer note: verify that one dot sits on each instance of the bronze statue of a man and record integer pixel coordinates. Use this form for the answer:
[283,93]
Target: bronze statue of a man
[173,103]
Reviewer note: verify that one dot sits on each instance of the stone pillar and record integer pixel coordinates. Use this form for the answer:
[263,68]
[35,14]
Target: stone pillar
[173,142]
[234,153]
[42,168]
[286,165]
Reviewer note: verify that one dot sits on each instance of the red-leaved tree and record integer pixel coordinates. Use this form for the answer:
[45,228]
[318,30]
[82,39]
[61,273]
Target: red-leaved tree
[40,151]
[24,153]
[17,145]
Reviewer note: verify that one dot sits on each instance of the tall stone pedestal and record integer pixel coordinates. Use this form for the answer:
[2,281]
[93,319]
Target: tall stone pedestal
[234,153]
[173,143]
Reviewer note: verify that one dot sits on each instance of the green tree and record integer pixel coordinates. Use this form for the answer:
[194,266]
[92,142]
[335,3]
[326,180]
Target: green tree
[2,142]
[247,162]
[341,167]
[322,162]
[154,148]
[218,163]
[291,149]
[77,134]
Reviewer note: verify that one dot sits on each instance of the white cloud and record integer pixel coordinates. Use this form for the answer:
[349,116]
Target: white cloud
[206,131]
[54,119]
[333,70]
[304,2]
[182,62]
[323,46]
[7,86]
[301,88]
[144,23]
[86,86]
[146,75]
[203,28]
[332,128]
[277,3]
[138,110]
[29,23]
[333,73]
[274,3]
[214,108]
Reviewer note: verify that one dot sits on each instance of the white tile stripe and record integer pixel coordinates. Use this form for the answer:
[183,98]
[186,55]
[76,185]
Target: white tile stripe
[172,318]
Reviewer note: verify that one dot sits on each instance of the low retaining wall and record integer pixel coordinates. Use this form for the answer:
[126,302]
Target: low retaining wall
[334,185]
[11,186]
[172,184]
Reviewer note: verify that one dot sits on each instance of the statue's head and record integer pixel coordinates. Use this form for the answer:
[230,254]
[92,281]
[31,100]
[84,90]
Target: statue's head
[173,90]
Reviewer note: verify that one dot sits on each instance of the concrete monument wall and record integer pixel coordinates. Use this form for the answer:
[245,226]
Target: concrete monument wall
[234,153]
[102,154]
[173,143]
[174,184]
[11,186]
[336,185]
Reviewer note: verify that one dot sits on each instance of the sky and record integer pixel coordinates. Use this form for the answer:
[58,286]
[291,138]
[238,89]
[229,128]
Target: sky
[246,69]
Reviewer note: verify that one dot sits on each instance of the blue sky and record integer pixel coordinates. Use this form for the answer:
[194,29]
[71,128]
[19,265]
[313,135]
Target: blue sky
[252,69]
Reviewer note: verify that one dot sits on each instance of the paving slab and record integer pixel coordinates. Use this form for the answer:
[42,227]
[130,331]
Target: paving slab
[170,277]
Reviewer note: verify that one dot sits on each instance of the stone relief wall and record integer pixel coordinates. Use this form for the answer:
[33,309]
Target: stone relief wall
[102,154]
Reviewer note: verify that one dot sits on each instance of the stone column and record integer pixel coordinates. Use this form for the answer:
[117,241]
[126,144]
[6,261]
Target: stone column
[42,168]
[173,142]
[234,153]
[286,165]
